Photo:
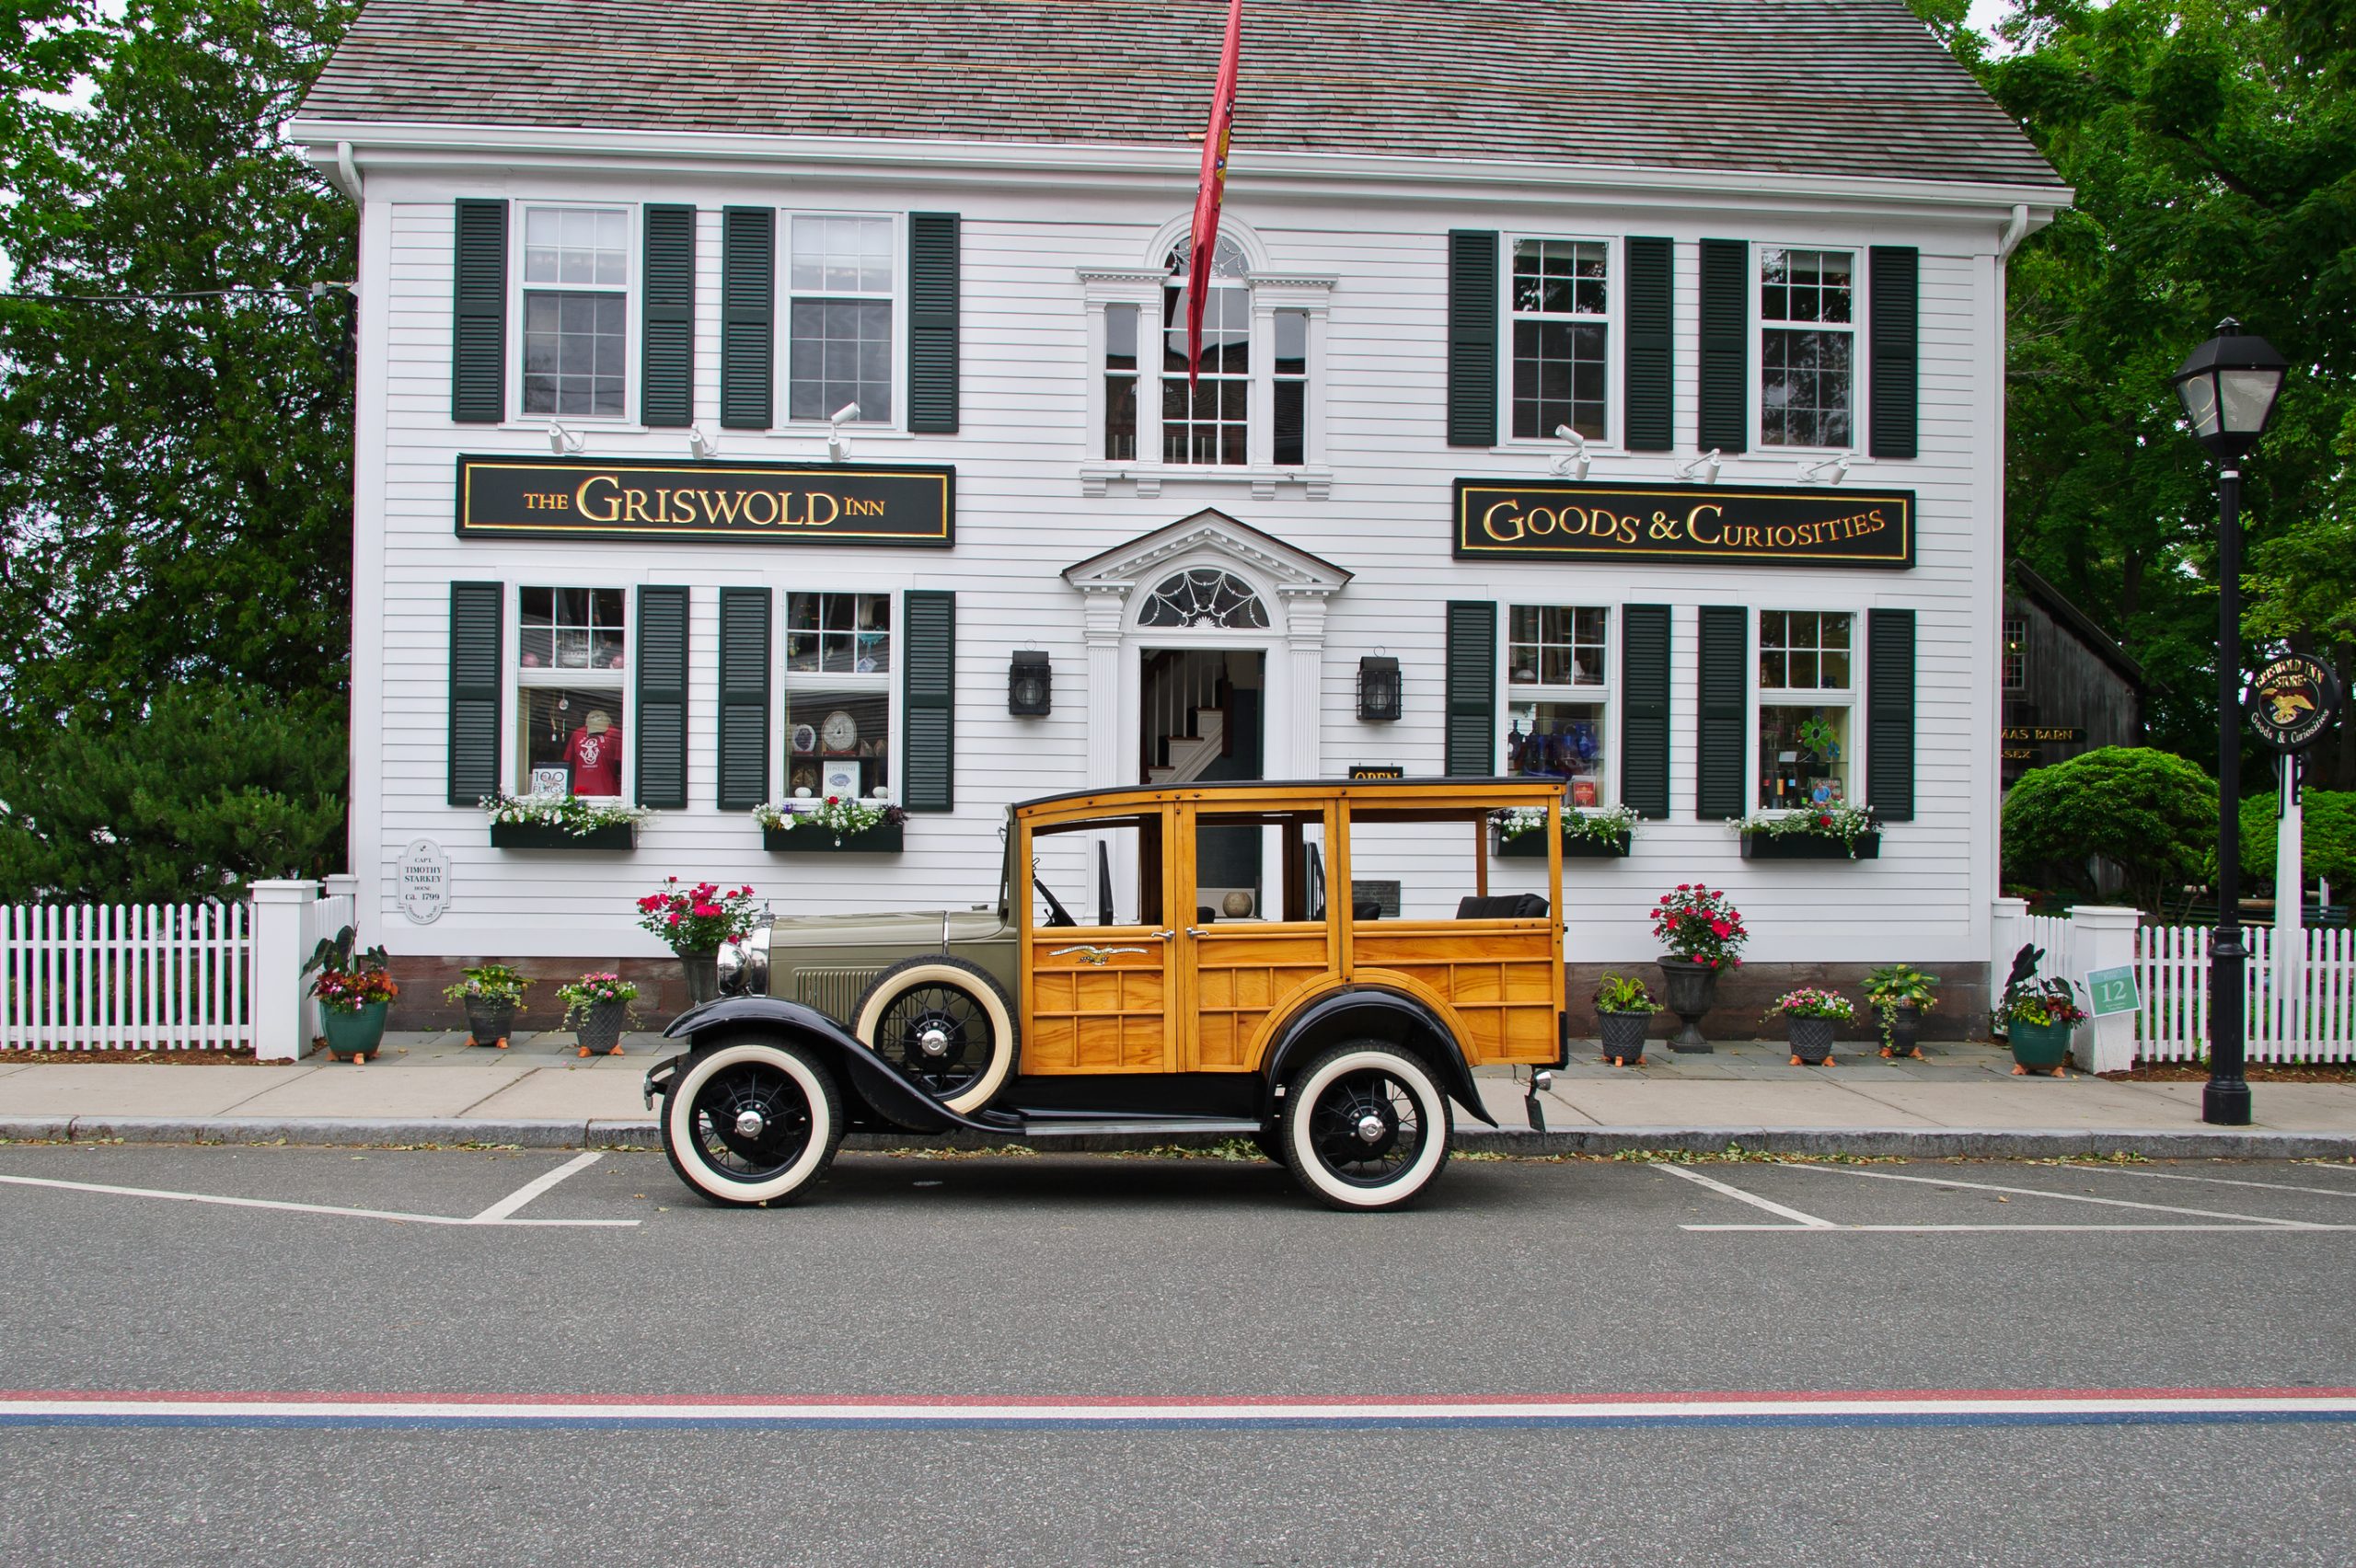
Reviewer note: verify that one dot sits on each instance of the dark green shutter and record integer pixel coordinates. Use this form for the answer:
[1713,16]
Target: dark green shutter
[476,612]
[748,316]
[667,392]
[932,323]
[929,700]
[1644,709]
[1472,688]
[1889,714]
[744,697]
[1650,347]
[1726,345]
[478,316]
[1894,305]
[1722,752]
[1473,306]
[662,716]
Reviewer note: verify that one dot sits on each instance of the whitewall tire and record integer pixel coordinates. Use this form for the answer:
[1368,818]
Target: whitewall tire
[945,1023]
[752,1122]
[1365,1126]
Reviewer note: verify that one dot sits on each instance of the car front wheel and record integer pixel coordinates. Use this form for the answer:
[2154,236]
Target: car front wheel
[1365,1127]
[752,1122]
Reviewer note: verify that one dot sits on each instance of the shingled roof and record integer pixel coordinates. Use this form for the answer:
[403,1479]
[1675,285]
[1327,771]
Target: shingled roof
[1838,88]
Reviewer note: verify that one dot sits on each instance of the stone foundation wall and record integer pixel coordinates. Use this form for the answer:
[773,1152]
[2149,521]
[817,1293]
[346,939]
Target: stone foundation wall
[661,989]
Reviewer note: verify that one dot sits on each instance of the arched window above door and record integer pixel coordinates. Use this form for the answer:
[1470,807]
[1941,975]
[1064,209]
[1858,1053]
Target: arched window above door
[1205,597]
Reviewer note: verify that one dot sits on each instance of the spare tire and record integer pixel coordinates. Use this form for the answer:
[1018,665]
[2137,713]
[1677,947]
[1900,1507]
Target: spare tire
[944,1023]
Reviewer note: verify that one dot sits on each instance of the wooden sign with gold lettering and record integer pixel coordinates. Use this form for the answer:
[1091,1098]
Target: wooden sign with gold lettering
[764,503]
[1819,525]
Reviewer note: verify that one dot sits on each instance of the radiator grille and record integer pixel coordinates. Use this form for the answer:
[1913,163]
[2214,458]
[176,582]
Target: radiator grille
[834,992]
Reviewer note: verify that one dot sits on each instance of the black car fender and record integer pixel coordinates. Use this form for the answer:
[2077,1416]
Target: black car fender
[1371,1012]
[885,1093]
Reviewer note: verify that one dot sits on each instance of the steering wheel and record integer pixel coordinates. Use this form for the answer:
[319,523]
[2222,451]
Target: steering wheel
[1056,914]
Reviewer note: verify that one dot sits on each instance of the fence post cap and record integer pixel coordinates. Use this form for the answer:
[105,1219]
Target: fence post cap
[2106,915]
[2010,906]
[282,891]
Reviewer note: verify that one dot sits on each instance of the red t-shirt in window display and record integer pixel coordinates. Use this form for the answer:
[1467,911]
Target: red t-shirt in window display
[596,752]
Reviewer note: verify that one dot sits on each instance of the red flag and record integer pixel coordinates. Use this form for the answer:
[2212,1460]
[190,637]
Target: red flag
[1208,193]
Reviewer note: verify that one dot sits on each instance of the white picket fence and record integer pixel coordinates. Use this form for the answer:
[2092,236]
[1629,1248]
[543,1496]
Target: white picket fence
[2305,1011]
[155,977]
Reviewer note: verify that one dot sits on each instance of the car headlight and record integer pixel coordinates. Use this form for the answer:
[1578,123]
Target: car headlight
[744,965]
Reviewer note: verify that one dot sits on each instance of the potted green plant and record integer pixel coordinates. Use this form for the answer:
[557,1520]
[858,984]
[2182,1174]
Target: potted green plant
[2039,1016]
[1810,1016]
[1623,1015]
[842,823]
[1601,833]
[1704,934]
[1900,995]
[1831,832]
[356,991]
[491,994]
[693,922]
[561,821]
[600,1002]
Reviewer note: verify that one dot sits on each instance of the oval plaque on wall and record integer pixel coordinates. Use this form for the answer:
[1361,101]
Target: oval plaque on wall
[2293,701]
[422,877]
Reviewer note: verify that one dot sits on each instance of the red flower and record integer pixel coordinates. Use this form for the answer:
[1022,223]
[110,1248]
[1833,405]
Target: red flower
[1685,887]
[1720,928]
[673,917]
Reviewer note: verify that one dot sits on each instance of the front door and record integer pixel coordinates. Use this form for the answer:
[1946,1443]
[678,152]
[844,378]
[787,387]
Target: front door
[1097,944]
[1242,958]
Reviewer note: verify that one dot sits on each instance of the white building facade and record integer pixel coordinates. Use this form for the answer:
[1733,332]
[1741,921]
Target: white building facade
[601,343]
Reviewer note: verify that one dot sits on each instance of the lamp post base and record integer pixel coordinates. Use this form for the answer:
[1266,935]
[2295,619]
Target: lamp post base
[2225,1105]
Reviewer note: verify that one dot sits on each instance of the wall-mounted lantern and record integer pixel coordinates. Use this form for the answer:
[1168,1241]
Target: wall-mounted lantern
[1030,684]
[1379,685]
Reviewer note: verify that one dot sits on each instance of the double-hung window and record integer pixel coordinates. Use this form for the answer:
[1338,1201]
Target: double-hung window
[1808,692]
[576,311]
[1210,422]
[1561,308]
[841,287]
[837,696]
[571,685]
[1557,665]
[1808,340]
[2015,654]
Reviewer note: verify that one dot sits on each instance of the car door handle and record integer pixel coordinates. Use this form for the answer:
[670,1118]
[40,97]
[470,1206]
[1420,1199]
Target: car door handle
[1164,936]
[1196,931]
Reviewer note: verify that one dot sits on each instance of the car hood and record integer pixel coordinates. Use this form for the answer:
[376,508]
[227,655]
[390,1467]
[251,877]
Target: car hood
[913,929]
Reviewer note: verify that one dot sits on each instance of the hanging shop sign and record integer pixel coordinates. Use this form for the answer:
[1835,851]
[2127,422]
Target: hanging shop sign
[2292,702]
[1552,521]
[767,503]
[1367,770]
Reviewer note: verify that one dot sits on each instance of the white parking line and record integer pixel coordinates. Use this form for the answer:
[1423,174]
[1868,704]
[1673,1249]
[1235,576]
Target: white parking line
[1803,1221]
[284,1205]
[2063,1197]
[2214,1181]
[1937,1229]
[533,1188]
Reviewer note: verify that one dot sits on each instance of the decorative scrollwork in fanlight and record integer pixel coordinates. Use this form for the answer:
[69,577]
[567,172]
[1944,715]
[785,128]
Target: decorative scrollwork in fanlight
[1206,596]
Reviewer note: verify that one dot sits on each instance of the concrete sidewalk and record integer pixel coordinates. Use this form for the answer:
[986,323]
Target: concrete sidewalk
[1962,1099]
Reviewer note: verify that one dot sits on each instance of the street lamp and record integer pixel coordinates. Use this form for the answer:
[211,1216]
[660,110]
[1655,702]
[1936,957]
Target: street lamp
[2229,384]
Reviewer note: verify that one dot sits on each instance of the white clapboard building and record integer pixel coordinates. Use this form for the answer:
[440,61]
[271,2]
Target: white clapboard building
[751,390]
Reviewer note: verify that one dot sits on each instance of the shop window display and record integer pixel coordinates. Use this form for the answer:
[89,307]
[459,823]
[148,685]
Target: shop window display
[837,695]
[1807,691]
[1555,700]
[571,681]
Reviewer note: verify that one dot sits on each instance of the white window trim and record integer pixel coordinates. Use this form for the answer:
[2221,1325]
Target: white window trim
[1756,394]
[1853,698]
[1606,696]
[1615,347]
[781,378]
[889,682]
[518,680]
[633,340]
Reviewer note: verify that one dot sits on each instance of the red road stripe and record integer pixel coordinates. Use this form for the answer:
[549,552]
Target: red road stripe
[1121,1402]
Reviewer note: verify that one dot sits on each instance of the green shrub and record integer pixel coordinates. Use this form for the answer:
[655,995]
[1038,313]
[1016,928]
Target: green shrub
[2327,840]
[2149,813]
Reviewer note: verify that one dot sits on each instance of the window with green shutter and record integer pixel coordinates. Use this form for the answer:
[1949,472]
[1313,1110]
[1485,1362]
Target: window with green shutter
[479,315]
[744,697]
[747,316]
[1893,307]
[933,240]
[1724,358]
[1649,346]
[666,393]
[929,700]
[662,697]
[476,611]
[1472,741]
[1722,753]
[1473,306]
[1644,709]
[1889,714]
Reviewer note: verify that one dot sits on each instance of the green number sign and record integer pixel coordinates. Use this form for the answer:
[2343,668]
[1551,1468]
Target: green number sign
[2113,990]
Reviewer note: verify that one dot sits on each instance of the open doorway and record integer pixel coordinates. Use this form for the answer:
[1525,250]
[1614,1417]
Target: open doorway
[1203,720]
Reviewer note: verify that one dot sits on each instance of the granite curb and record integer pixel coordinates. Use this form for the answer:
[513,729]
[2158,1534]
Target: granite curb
[1921,1143]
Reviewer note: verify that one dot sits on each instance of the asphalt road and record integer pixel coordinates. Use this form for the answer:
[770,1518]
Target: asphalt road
[1093,1278]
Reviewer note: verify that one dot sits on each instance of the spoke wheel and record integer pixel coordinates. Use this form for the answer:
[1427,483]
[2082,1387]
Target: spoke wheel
[1365,1127]
[945,1024]
[752,1123]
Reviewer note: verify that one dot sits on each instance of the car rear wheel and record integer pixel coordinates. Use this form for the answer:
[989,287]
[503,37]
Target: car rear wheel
[752,1122]
[1365,1126]
[945,1023]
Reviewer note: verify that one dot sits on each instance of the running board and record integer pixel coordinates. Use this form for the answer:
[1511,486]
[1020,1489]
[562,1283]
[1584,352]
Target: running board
[1137,1126]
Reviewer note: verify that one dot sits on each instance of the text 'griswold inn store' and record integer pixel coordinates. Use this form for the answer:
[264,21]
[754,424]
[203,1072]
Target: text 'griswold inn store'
[765,401]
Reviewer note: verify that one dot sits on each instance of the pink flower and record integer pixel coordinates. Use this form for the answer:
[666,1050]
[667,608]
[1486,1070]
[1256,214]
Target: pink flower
[673,917]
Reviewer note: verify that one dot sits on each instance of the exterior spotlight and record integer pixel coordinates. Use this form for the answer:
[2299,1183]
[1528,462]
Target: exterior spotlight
[1563,465]
[701,448]
[1030,684]
[1709,459]
[838,444]
[1379,697]
[562,442]
[1814,473]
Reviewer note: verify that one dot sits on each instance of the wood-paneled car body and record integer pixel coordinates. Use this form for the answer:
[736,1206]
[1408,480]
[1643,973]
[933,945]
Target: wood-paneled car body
[1160,962]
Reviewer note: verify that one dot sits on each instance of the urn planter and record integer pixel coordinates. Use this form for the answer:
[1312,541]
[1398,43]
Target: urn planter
[2039,1047]
[1533,847]
[702,972]
[1807,846]
[544,835]
[1691,988]
[487,1022]
[601,1027]
[885,839]
[358,1034]
[1623,1036]
[1811,1040]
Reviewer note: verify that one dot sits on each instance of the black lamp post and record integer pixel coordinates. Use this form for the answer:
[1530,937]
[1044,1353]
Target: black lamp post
[2229,384]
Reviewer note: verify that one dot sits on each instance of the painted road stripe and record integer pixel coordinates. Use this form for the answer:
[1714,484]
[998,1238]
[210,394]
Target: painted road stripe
[2098,1229]
[533,1188]
[1993,1408]
[2061,1197]
[294,1208]
[2213,1180]
[1805,1221]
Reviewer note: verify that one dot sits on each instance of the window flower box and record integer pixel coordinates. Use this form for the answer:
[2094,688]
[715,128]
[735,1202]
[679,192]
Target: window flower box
[561,821]
[1519,832]
[1757,845]
[1533,847]
[548,835]
[811,838]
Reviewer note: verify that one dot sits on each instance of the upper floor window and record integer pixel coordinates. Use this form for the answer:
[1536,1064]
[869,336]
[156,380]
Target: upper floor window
[841,285]
[1562,336]
[572,684]
[1557,694]
[1807,348]
[576,305]
[1211,420]
[1807,692]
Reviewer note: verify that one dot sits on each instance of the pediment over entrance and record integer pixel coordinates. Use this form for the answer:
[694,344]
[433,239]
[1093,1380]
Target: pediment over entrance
[1209,538]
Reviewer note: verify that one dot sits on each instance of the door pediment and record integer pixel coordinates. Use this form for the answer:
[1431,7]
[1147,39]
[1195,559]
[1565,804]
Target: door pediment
[1209,536]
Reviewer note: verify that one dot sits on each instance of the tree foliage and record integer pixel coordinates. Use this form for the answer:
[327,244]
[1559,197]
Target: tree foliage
[2150,813]
[2326,841]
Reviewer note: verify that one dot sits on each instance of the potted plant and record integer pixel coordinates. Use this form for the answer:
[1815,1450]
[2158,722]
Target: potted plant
[1809,1017]
[1704,936]
[2039,1017]
[356,991]
[600,1000]
[491,994]
[1603,833]
[838,823]
[1900,995]
[1623,1014]
[561,821]
[1834,831]
[693,922]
